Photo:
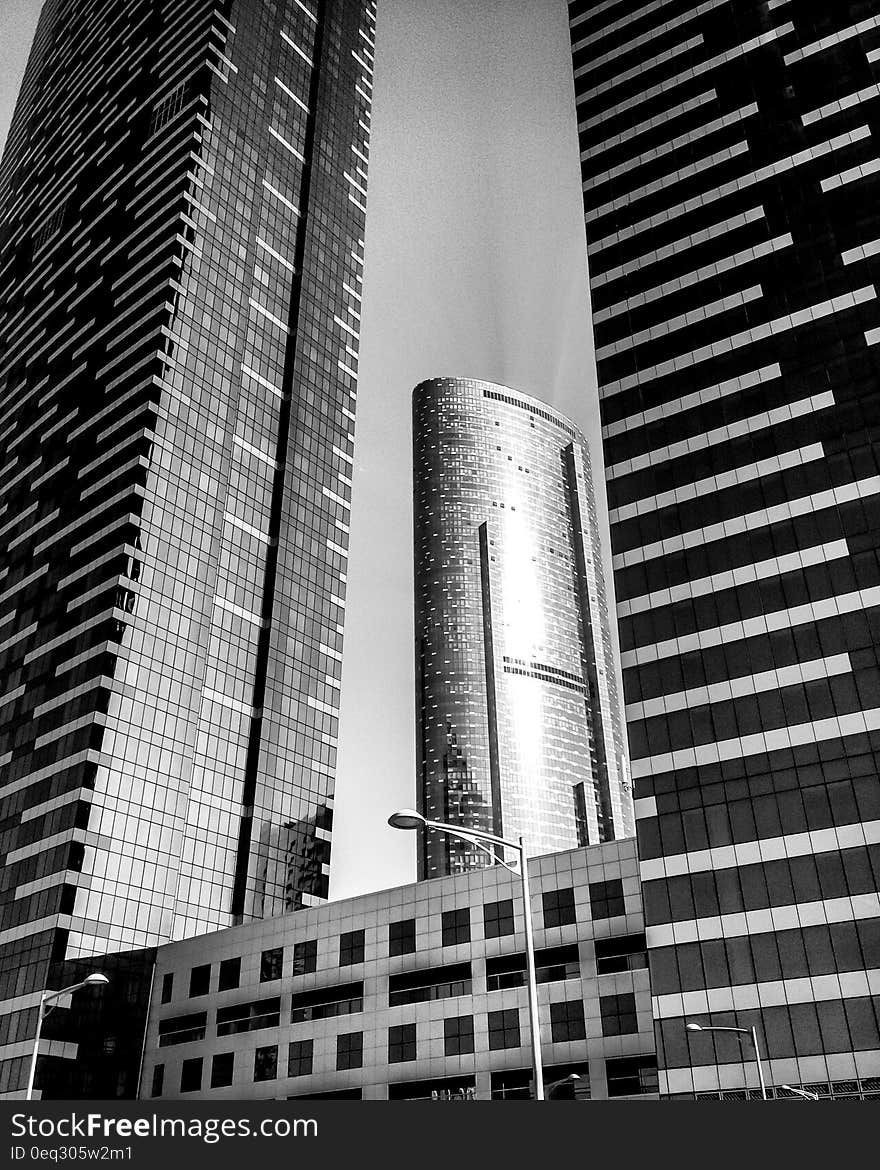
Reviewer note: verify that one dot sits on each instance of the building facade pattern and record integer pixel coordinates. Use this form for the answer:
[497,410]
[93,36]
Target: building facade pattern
[180,262]
[416,991]
[518,723]
[730,177]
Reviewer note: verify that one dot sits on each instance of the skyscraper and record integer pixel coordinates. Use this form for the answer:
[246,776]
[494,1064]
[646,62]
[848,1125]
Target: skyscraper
[731,189]
[518,727]
[180,269]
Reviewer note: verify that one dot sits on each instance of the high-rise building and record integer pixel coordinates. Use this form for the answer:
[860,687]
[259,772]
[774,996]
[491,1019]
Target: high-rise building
[180,269]
[731,191]
[518,725]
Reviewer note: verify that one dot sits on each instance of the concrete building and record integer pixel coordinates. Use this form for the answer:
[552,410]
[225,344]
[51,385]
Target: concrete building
[181,247]
[731,187]
[416,990]
[518,726]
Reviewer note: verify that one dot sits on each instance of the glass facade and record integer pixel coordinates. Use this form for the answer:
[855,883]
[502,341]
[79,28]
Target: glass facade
[181,248]
[730,181]
[518,726]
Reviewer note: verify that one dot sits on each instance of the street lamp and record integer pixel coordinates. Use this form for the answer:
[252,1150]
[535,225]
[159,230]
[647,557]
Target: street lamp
[807,1096]
[753,1036]
[94,980]
[571,1080]
[408,818]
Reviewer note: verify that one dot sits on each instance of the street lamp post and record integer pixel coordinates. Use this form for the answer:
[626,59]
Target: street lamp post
[94,980]
[409,819]
[752,1033]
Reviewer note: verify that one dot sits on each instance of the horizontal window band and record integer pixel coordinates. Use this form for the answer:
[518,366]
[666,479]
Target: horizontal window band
[804,844]
[740,686]
[763,518]
[762,921]
[733,578]
[780,738]
[721,482]
[687,280]
[663,329]
[750,425]
[762,624]
[733,187]
[756,333]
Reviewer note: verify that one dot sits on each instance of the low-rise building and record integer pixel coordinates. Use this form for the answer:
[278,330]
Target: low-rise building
[416,991]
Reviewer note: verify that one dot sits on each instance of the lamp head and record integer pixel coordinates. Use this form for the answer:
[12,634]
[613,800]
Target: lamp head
[694,1028]
[407,818]
[95,979]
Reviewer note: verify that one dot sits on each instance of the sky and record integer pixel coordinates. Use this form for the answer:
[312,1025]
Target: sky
[475,266]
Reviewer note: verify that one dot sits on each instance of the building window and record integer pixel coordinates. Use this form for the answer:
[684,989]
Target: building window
[551,965]
[351,948]
[323,1002]
[631,1075]
[230,975]
[271,964]
[249,1017]
[300,1056]
[512,1085]
[191,1075]
[456,926]
[558,907]
[158,1080]
[606,899]
[266,1063]
[402,937]
[182,1029]
[504,1029]
[305,957]
[200,980]
[349,1050]
[222,1066]
[429,983]
[401,1043]
[458,1035]
[626,953]
[498,918]
[567,1021]
[618,1014]
[167,988]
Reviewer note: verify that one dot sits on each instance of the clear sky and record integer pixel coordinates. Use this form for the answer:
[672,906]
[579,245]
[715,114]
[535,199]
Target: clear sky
[475,266]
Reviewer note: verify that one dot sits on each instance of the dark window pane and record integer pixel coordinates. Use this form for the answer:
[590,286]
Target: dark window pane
[271,964]
[606,899]
[222,1068]
[456,926]
[266,1063]
[167,987]
[230,975]
[158,1080]
[350,1050]
[504,1029]
[618,1014]
[191,1075]
[305,957]
[351,948]
[458,1035]
[498,918]
[631,1075]
[299,1058]
[558,907]
[200,980]
[401,1043]
[402,937]
[567,1021]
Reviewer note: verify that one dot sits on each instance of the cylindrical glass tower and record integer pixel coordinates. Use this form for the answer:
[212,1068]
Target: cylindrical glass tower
[518,721]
